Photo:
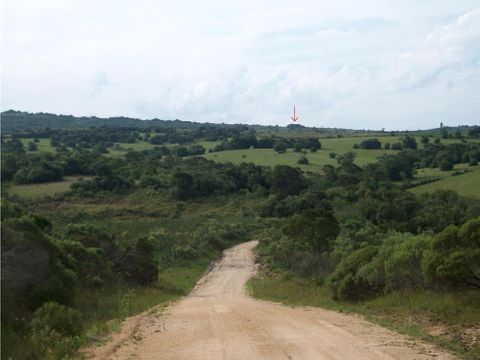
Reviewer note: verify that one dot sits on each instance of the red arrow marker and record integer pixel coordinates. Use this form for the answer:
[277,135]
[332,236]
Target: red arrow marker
[294,117]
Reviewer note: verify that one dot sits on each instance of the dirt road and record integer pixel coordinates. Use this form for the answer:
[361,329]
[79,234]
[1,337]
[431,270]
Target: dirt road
[218,320]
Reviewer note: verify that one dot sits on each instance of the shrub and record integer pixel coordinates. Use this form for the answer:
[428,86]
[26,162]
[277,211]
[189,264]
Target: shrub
[446,165]
[454,257]
[344,283]
[54,333]
[280,147]
[303,160]
[60,318]
[370,144]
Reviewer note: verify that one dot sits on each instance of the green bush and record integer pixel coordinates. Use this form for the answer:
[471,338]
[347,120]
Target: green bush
[344,283]
[315,229]
[454,257]
[35,267]
[303,160]
[55,331]
[60,318]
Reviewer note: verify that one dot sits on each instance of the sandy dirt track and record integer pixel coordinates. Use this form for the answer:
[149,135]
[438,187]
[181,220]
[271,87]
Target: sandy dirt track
[218,320]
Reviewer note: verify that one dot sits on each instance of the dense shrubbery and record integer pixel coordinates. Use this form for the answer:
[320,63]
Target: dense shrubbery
[406,261]
[372,236]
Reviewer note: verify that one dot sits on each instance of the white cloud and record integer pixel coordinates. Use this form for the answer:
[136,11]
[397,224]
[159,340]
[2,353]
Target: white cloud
[352,63]
[455,46]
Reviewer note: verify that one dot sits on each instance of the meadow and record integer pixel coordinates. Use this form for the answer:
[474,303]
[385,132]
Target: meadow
[35,191]
[43,145]
[466,184]
[339,146]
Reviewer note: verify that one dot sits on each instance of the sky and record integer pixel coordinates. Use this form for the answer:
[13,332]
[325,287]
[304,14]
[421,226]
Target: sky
[359,64]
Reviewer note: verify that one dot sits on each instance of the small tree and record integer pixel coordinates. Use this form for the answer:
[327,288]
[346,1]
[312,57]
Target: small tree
[280,147]
[425,139]
[314,229]
[303,160]
[446,165]
[32,146]
[409,142]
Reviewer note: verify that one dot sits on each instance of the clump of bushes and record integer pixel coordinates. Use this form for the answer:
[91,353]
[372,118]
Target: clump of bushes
[406,261]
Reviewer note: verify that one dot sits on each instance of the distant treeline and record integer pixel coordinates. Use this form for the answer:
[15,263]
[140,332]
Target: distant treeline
[13,121]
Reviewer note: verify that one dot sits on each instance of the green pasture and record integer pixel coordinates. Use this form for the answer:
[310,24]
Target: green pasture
[269,157]
[43,145]
[35,191]
[467,184]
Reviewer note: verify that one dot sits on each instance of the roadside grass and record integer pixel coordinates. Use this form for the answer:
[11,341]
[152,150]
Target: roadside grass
[450,320]
[118,302]
[35,191]
[104,309]
[467,184]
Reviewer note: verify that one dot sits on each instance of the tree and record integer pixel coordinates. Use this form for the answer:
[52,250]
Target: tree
[280,147]
[32,146]
[446,164]
[474,132]
[286,181]
[444,133]
[182,185]
[370,144]
[315,229]
[409,142]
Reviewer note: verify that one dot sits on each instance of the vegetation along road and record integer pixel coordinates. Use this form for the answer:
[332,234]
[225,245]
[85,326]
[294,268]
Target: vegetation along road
[218,320]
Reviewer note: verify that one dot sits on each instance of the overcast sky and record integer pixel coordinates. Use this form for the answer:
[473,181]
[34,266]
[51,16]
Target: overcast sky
[394,64]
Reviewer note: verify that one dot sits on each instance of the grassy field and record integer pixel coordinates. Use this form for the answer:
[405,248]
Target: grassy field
[437,173]
[449,320]
[269,157]
[467,184]
[43,145]
[33,191]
